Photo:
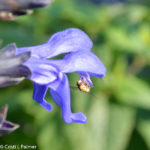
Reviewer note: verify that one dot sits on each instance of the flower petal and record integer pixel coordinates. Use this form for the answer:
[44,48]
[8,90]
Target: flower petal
[42,73]
[39,93]
[69,40]
[81,62]
[60,92]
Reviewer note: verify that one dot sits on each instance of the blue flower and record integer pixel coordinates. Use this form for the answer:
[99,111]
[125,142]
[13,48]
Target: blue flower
[51,74]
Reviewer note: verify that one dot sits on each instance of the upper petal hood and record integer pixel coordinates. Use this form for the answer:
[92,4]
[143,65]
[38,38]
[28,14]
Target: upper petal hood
[69,40]
[81,62]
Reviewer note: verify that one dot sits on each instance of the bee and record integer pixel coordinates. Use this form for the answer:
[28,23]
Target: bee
[83,86]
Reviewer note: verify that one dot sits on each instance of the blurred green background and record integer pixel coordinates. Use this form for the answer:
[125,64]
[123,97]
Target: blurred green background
[119,112]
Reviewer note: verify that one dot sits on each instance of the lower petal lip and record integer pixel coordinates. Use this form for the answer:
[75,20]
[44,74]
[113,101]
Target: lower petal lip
[79,118]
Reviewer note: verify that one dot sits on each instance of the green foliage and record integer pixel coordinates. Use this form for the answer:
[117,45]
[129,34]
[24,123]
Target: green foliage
[119,112]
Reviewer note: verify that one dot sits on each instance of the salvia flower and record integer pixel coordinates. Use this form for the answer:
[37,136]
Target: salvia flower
[51,74]
[6,126]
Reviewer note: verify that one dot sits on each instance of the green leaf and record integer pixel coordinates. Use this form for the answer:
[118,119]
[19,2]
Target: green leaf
[132,91]
[121,125]
[144,129]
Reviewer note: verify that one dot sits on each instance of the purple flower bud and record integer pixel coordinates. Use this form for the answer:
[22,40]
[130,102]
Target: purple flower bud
[6,127]
[12,70]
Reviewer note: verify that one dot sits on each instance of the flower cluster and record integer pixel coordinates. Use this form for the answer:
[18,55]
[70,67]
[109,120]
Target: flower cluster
[51,73]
